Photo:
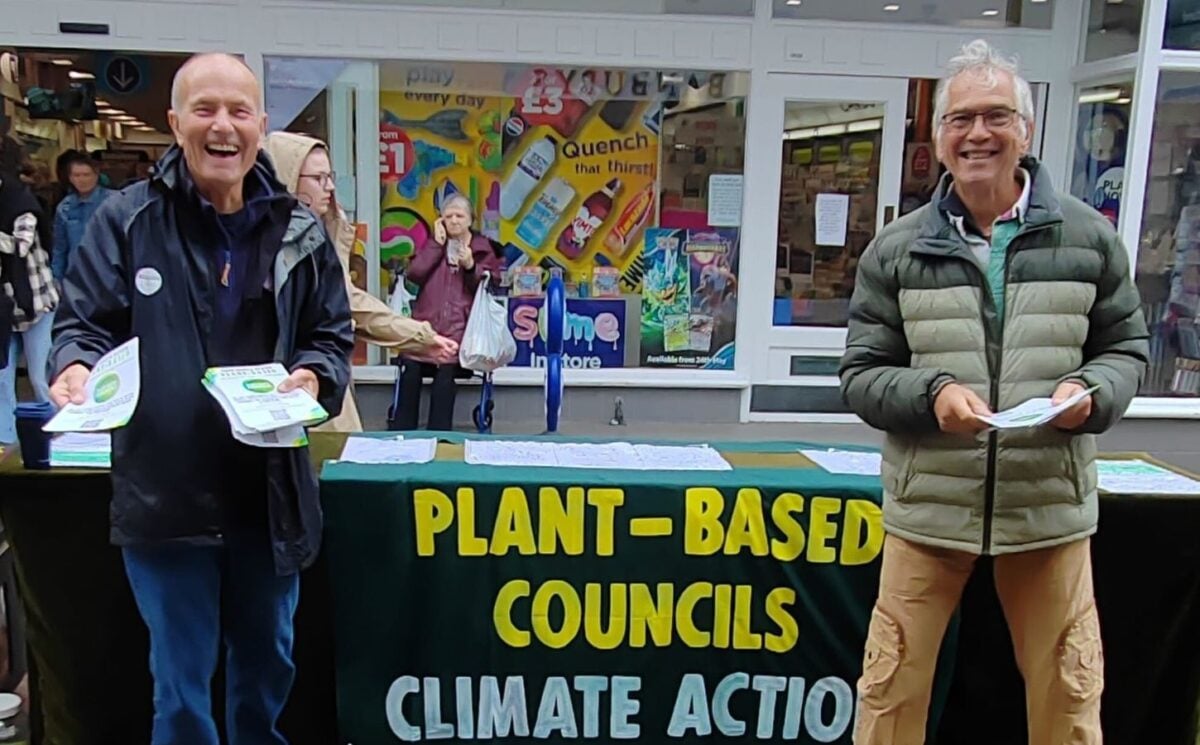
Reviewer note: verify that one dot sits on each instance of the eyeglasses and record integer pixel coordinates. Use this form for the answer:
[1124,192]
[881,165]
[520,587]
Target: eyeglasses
[994,119]
[324,180]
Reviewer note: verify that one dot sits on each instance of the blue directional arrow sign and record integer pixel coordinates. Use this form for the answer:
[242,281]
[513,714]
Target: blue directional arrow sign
[123,74]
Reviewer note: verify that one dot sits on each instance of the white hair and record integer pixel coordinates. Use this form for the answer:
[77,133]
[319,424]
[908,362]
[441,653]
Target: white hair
[984,61]
[460,200]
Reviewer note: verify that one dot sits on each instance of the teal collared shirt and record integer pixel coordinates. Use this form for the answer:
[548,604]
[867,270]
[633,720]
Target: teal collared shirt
[991,254]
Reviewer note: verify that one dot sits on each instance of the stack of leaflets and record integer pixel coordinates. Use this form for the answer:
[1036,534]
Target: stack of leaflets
[259,415]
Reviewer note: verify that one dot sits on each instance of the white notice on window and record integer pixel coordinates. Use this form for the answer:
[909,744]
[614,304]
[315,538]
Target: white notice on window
[725,200]
[832,215]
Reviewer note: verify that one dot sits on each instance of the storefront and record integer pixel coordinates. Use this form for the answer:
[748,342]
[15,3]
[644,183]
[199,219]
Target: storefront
[703,173]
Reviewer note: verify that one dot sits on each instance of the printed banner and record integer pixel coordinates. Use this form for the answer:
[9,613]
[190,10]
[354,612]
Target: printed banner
[560,164]
[595,336]
[509,609]
[689,298]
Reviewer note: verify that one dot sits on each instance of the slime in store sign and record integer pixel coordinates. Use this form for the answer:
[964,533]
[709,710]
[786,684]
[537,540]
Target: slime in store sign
[594,338]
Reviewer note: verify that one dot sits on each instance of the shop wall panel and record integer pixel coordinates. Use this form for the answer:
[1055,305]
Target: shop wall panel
[165,25]
[919,52]
[501,36]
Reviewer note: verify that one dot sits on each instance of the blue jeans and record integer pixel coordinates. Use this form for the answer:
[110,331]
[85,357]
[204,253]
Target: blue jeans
[192,598]
[35,342]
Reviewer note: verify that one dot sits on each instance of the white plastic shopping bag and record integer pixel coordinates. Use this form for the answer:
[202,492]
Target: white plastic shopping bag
[401,300]
[487,343]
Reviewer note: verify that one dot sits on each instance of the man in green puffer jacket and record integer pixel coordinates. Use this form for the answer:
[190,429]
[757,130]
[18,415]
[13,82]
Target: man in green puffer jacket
[998,291]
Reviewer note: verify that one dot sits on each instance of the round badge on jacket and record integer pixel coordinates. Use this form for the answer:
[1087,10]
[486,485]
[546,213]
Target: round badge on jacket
[148,281]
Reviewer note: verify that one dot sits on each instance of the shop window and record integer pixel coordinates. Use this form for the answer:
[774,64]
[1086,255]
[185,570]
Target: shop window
[1101,132]
[1183,25]
[1168,258]
[993,14]
[1113,28]
[627,182]
[111,105]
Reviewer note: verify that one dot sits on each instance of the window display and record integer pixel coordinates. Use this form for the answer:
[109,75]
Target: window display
[586,172]
[1168,260]
[1102,128]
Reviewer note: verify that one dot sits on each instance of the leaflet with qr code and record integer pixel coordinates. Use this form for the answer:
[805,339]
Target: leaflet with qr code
[249,395]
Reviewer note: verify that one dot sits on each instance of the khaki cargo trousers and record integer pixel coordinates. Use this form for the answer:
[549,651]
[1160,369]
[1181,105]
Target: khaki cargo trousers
[1051,612]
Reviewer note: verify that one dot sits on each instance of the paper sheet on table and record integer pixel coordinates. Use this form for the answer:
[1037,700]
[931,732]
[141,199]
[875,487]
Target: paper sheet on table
[81,450]
[509,453]
[388,450]
[1033,413]
[681,458]
[606,455]
[846,461]
[112,390]
[1140,477]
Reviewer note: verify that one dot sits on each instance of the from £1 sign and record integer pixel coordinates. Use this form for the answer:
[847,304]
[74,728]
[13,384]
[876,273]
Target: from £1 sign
[594,338]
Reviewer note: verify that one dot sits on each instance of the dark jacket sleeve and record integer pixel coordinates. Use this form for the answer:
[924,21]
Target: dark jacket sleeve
[1117,349]
[94,312]
[424,262]
[877,382]
[58,253]
[324,334]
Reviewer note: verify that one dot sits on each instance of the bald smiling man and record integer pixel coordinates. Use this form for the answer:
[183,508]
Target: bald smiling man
[209,262]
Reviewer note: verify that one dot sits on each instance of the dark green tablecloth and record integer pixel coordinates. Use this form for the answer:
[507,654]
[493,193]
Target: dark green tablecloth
[88,647]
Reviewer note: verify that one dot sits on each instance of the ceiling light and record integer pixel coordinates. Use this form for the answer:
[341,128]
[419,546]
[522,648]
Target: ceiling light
[79,75]
[1123,100]
[800,134]
[1037,1]
[793,2]
[126,118]
[1101,95]
[62,62]
[866,125]
[991,12]
[146,128]
[830,130]
[109,111]
[891,8]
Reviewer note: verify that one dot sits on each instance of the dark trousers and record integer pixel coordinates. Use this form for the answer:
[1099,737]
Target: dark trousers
[441,397]
[192,598]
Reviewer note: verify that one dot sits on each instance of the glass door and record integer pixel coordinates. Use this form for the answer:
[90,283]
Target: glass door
[839,160]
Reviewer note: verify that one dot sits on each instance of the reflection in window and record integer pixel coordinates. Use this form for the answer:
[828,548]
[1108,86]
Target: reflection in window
[1168,262]
[1113,28]
[1183,25]
[1101,132]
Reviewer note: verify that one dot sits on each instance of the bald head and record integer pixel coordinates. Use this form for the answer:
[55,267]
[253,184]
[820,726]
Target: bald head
[208,62]
[218,120]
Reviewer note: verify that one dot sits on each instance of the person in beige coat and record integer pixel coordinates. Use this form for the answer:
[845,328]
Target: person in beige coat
[302,164]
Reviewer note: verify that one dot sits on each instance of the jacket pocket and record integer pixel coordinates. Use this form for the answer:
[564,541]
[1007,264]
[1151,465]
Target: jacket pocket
[881,659]
[1081,660]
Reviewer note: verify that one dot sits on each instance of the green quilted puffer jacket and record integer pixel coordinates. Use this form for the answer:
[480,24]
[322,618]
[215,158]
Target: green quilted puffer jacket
[922,316]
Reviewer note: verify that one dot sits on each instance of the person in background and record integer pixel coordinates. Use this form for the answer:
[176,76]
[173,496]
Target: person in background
[75,210]
[302,165]
[29,296]
[210,263]
[448,269]
[1000,290]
